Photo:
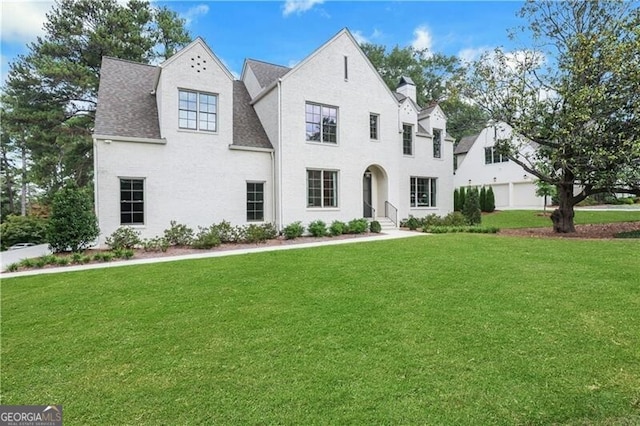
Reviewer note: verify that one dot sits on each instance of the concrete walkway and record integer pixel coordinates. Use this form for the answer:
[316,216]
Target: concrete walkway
[387,235]
[12,256]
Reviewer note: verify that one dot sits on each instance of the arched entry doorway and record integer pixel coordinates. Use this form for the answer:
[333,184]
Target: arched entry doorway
[374,191]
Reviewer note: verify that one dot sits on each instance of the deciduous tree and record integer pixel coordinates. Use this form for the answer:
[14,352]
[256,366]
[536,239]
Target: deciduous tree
[576,94]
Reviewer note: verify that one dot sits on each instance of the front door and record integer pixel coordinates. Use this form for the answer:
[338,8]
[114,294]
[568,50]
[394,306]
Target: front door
[366,195]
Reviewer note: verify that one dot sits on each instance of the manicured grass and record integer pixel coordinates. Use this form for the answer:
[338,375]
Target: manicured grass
[445,330]
[535,219]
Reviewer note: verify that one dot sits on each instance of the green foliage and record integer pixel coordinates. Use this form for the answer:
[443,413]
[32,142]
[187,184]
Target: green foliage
[456,200]
[73,224]
[375,227]
[490,201]
[255,234]
[228,233]
[63,261]
[206,238]
[317,228]
[628,234]
[483,199]
[23,229]
[465,229]
[584,59]
[337,228]
[178,234]
[13,267]
[358,226]
[155,244]
[293,230]
[50,94]
[103,256]
[471,208]
[412,223]
[125,237]
[462,197]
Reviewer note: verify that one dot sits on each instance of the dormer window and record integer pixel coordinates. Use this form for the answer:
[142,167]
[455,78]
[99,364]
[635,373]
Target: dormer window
[198,111]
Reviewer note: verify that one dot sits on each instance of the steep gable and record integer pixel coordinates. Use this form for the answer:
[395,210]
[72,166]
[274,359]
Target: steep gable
[266,73]
[126,104]
[247,129]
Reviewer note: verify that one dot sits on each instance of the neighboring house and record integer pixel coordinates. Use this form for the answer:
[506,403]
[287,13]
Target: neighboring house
[478,163]
[324,140]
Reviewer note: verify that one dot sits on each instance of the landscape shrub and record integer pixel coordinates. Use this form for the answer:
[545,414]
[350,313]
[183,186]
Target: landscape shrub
[228,233]
[483,199]
[125,237]
[375,227]
[430,220]
[467,229]
[73,224]
[471,208]
[206,238]
[358,226]
[337,228]
[454,219]
[412,223]
[462,197]
[178,234]
[491,201]
[317,228]
[13,267]
[293,230]
[254,233]
[23,229]
[456,200]
[63,261]
[123,253]
[155,244]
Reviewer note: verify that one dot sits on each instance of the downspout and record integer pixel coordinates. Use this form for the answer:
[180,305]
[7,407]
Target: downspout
[279,165]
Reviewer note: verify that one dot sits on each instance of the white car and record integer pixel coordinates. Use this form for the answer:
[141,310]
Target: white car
[21,245]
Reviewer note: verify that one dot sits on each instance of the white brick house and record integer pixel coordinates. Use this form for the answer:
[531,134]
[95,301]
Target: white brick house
[324,140]
[478,164]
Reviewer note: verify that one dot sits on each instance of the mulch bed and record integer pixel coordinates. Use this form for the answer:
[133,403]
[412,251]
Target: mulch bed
[593,231]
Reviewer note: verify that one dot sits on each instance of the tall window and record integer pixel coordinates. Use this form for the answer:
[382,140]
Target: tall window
[437,143]
[131,201]
[423,192]
[255,201]
[373,126]
[407,139]
[491,155]
[321,123]
[198,111]
[322,188]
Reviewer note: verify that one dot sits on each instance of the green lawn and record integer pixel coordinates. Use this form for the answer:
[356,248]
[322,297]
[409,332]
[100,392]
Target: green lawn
[535,219]
[446,329]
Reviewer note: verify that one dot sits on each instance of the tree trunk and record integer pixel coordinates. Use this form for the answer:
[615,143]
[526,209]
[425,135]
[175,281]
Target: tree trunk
[562,217]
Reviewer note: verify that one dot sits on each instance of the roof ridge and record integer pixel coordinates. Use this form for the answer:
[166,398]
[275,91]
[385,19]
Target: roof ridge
[129,61]
[266,63]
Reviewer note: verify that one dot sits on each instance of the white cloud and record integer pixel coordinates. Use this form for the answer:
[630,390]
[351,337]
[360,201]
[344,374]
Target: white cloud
[361,38]
[22,20]
[422,39]
[298,6]
[472,54]
[194,13]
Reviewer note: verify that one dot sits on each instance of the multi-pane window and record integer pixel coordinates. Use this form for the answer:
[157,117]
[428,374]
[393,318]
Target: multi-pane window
[407,139]
[131,201]
[373,126]
[437,143]
[423,192]
[255,201]
[198,111]
[322,188]
[321,123]
[491,155]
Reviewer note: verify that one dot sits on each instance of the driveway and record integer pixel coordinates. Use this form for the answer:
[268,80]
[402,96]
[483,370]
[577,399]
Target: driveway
[12,256]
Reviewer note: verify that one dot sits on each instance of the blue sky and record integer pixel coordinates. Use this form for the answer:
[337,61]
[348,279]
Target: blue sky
[285,32]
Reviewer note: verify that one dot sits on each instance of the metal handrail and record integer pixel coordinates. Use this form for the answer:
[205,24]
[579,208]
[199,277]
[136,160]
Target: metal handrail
[389,210]
[373,210]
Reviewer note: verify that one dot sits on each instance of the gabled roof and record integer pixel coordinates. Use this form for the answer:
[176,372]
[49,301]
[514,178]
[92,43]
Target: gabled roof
[126,105]
[401,98]
[465,144]
[247,130]
[198,41]
[265,72]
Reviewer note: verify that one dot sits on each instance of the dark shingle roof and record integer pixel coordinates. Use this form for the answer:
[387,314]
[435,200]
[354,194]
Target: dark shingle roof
[465,144]
[126,106]
[247,130]
[405,80]
[266,73]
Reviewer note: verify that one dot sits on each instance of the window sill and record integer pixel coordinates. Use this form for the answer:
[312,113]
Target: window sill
[198,132]
[323,209]
[322,143]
